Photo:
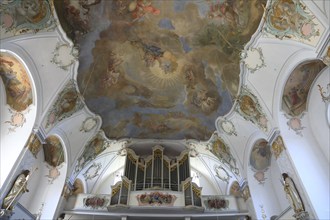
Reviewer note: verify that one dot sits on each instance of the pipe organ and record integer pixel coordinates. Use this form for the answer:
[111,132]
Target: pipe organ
[157,171]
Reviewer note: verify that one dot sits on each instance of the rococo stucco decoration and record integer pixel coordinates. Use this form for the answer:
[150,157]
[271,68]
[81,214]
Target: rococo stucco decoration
[25,16]
[290,19]
[160,69]
[67,103]
[34,144]
[219,148]
[249,107]
[92,171]
[278,147]
[64,55]
[92,149]
[226,126]
[253,59]
[295,124]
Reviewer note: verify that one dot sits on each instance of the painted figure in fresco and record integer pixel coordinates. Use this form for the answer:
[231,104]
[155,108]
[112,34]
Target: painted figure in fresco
[94,202]
[140,8]
[16,191]
[292,194]
[225,11]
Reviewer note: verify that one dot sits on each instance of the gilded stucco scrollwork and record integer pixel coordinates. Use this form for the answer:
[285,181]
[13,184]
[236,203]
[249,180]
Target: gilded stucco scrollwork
[249,107]
[291,19]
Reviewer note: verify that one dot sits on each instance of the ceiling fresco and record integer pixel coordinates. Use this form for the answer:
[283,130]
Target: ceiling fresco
[16,81]
[160,69]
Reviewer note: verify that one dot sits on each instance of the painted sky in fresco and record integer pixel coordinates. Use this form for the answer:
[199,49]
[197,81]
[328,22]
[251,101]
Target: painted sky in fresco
[162,69]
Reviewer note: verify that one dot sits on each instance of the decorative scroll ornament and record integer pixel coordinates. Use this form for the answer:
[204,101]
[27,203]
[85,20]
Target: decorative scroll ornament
[156,199]
[88,124]
[192,149]
[222,173]
[94,148]
[34,144]
[260,176]
[263,213]
[227,127]
[17,119]
[253,59]
[67,103]
[249,107]
[53,173]
[96,202]
[219,148]
[278,147]
[64,55]
[290,19]
[92,171]
[326,99]
[325,94]
[326,57]
[216,203]
[295,124]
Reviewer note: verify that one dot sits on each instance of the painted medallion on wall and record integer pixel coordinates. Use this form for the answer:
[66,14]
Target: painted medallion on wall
[291,19]
[25,16]
[54,156]
[298,85]
[92,149]
[249,107]
[67,103]
[160,69]
[260,159]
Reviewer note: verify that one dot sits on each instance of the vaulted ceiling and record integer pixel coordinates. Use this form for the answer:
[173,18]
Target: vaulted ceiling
[160,69]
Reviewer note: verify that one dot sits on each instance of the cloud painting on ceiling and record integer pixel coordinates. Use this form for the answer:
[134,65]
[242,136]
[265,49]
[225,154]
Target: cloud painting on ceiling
[297,86]
[161,69]
[16,81]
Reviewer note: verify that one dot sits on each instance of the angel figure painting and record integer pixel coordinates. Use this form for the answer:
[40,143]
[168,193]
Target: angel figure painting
[160,69]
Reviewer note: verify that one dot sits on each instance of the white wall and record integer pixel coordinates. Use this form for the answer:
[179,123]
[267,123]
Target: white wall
[318,112]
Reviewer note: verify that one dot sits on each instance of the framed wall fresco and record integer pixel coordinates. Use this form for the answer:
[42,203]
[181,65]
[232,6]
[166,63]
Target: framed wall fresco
[67,103]
[249,107]
[260,158]
[92,149]
[34,144]
[160,69]
[298,85]
[291,19]
[54,157]
[219,148]
[16,81]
